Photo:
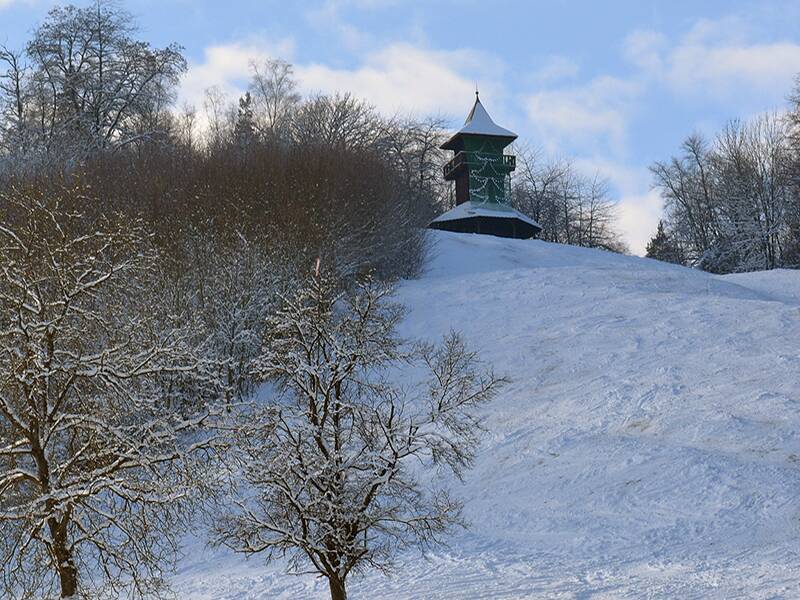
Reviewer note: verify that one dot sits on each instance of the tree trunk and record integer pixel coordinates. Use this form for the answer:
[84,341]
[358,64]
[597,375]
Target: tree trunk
[68,577]
[67,572]
[59,546]
[338,591]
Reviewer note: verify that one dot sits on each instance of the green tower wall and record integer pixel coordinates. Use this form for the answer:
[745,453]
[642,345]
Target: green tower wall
[489,169]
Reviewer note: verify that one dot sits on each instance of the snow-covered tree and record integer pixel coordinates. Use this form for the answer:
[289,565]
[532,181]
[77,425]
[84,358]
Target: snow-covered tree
[791,249]
[730,203]
[96,85]
[97,439]
[224,290]
[333,463]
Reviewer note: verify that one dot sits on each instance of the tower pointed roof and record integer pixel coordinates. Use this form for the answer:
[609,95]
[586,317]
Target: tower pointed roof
[479,123]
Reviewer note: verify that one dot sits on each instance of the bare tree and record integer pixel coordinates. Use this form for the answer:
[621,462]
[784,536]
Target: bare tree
[182,126]
[94,83]
[340,120]
[534,190]
[570,207]
[413,146]
[328,461]
[275,92]
[94,470]
[14,136]
[220,118]
[687,186]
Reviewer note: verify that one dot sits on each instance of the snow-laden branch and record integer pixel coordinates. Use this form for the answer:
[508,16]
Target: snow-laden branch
[103,432]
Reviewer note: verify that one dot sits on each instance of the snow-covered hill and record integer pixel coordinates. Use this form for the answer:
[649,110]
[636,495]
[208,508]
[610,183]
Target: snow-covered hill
[648,447]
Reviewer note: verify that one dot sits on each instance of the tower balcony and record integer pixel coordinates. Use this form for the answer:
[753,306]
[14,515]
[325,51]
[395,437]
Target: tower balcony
[463,159]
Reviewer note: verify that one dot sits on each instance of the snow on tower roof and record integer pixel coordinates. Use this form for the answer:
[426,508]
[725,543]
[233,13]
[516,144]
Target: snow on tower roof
[479,123]
[495,210]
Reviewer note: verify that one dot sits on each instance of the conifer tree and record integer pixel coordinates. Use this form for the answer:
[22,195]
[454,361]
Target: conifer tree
[663,247]
[244,131]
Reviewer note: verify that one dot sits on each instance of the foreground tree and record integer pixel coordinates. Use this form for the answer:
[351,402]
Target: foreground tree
[333,461]
[93,467]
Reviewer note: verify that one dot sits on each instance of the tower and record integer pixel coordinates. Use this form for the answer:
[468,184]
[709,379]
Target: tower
[482,174]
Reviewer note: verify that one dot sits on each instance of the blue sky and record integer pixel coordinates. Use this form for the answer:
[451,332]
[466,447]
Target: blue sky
[611,85]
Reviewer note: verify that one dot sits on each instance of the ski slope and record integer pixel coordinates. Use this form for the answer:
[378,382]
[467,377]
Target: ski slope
[647,447]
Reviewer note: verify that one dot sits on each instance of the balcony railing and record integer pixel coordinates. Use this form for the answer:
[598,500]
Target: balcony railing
[457,161]
[471,158]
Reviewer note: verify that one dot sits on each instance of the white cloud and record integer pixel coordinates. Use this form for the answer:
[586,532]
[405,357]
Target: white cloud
[7,3]
[718,60]
[593,115]
[328,17]
[638,218]
[644,49]
[556,68]
[398,77]
[227,67]
[727,70]
[404,78]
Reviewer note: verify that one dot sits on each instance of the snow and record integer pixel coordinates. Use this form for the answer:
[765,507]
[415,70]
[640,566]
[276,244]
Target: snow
[479,122]
[647,446]
[469,209]
[781,285]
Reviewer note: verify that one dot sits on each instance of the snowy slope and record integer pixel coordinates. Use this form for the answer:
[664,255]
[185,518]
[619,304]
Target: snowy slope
[648,447]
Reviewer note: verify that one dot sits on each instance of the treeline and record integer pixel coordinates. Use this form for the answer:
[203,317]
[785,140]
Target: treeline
[732,204]
[86,103]
[571,207]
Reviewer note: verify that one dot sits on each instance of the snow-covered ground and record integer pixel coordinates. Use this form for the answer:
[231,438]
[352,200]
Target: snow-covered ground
[648,446]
